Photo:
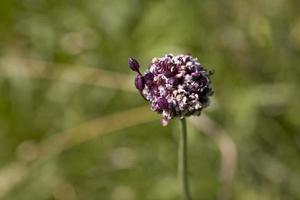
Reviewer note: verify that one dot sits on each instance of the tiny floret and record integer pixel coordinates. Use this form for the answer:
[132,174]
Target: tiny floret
[175,85]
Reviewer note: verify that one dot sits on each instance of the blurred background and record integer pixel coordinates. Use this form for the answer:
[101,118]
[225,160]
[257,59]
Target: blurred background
[73,127]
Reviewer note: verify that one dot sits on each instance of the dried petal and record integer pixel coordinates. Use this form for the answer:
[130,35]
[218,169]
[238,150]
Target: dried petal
[164,122]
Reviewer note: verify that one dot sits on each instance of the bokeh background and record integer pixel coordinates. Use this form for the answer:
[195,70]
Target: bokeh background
[73,127]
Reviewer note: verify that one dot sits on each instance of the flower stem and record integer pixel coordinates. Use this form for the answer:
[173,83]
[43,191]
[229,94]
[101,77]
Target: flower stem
[182,161]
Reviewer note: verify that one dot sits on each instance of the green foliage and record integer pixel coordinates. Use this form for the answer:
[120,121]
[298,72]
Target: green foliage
[253,46]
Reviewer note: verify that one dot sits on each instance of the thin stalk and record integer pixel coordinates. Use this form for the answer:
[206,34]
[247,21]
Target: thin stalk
[182,161]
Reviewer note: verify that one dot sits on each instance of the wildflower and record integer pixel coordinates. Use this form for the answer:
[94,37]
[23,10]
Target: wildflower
[175,85]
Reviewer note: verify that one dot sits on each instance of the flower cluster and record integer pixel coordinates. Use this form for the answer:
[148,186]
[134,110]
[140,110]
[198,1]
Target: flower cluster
[176,85]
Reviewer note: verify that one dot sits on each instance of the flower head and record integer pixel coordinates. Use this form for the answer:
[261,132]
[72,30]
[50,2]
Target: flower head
[176,86]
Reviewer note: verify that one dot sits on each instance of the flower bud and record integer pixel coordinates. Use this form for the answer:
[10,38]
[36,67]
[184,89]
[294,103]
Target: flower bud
[148,78]
[162,103]
[134,65]
[139,82]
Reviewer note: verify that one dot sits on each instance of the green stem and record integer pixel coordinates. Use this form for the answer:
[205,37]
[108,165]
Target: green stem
[182,161]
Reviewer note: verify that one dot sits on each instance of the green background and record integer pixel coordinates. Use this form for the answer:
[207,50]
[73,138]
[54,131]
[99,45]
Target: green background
[253,46]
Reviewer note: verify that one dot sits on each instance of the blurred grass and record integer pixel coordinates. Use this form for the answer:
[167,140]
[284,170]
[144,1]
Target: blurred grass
[64,64]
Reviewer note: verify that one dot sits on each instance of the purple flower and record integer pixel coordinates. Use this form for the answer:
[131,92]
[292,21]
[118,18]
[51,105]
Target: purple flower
[176,86]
